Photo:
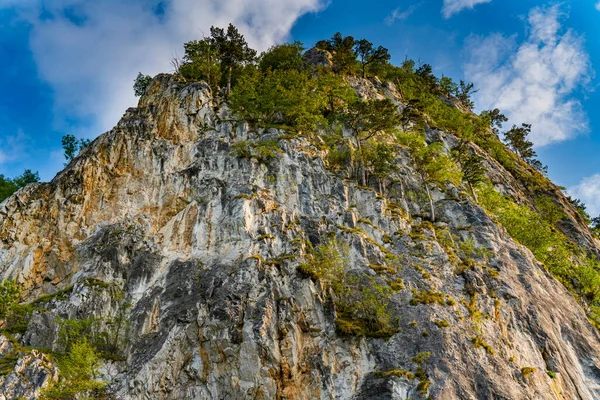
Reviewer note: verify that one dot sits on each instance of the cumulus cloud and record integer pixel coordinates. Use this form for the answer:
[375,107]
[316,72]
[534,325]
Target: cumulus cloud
[588,191]
[399,15]
[534,81]
[452,7]
[598,6]
[90,51]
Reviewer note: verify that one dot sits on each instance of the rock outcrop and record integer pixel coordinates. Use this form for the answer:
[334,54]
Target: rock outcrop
[158,224]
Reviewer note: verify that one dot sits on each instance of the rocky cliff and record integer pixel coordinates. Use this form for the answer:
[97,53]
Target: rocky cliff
[193,259]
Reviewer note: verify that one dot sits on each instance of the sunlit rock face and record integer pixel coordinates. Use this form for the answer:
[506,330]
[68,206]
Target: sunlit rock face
[196,251]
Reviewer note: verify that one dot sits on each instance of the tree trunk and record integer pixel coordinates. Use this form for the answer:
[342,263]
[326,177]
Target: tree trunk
[361,164]
[430,202]
[473,192]
[229,81]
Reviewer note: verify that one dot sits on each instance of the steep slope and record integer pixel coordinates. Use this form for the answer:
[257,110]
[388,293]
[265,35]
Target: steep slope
[195,261]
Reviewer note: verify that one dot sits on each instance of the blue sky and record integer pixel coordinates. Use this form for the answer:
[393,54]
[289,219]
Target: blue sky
[68,65]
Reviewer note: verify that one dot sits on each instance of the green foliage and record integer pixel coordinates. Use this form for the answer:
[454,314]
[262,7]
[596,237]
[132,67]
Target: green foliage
[26,178]
[72,146]
[338,94]
[200,62]
[428,297]
[473,171]
[10,293]
[518,142]
[141,83]
[527,371]
[232,51]
[368,54]
[479,343]
[400,373]
[366,119]
[361,302]
[78,372]
[576,270]
[262,150]
[279,97]
[464,93]
[342,50]
[8,363]
[9,186]
[435,166]
[548,210]
[327,262]
[217,59]
[287,56]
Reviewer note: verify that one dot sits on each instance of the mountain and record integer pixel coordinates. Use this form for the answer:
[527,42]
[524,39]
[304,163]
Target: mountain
[199,256]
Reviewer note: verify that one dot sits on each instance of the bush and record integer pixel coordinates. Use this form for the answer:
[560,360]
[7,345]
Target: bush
[262,151]
[361,302]
[78,369]
[279,97]
[10,293]
[141,83]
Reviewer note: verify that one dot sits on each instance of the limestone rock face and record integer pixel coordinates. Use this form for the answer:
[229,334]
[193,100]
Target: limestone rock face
[196,251]
[31,374]
[318,57]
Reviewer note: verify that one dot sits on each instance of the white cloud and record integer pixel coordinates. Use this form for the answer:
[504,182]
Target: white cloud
[533,82]
[588,191]
[598,6]
[452,7]
[12,147]
[90,51]
[399,15]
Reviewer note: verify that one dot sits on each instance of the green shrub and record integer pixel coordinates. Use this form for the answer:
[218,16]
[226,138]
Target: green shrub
[262,150]
[478,342]
[527,371]
[10,293]
[428,297]
[361,302]
[78,372]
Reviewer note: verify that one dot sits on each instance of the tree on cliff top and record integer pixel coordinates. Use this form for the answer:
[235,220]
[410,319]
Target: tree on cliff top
[369,54]
[232,50]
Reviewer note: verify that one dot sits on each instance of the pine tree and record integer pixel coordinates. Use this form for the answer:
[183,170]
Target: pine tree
[368,54]
[517,140]
[141,83]
[232,50]
[471,165]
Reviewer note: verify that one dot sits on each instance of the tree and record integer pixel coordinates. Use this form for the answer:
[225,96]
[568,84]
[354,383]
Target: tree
[200,62]
[429,80]
[447,86]
[72,146]
[141,83]
[435,166]
[495,119]
[232,50]
[517,140]
[342,50]
[9,186]
[284,56]
[27,178]
[368,54]
[471,165]
[464,93]
[366,119]
[338,93]
[279,97]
